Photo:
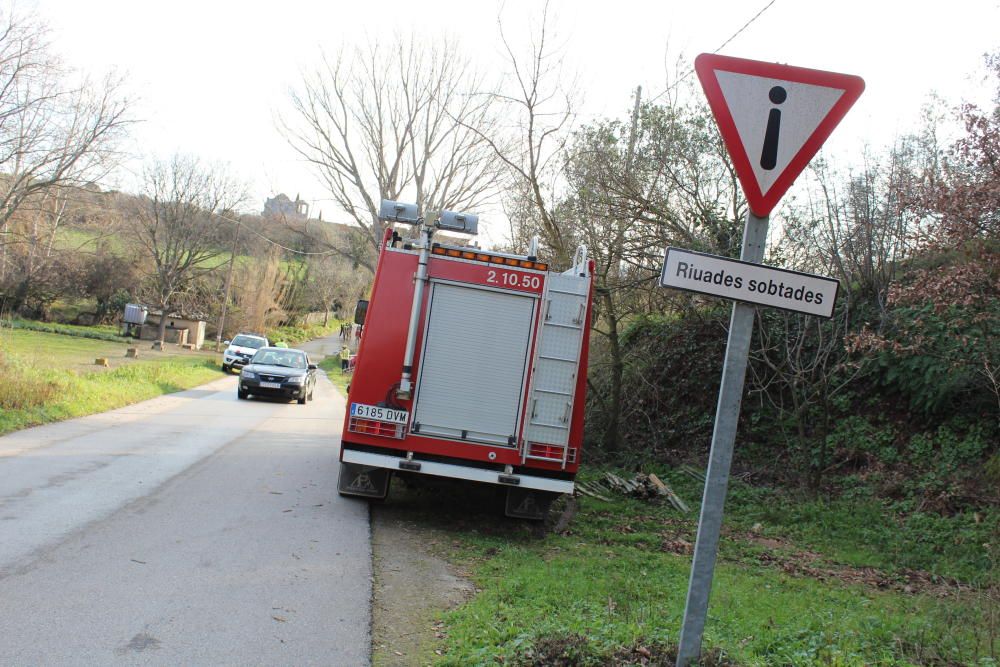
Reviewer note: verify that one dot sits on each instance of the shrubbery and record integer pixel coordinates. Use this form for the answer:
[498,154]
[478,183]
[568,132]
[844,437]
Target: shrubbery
[915,428]
[670,387]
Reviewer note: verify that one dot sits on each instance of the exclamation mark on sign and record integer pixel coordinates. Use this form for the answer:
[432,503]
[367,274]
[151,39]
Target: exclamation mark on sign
[769,156]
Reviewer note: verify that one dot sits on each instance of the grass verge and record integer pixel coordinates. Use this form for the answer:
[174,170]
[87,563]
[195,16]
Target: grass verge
[50,377]
[331,364]
[799,582]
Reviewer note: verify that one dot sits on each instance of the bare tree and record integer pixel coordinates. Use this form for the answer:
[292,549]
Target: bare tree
[176,222]
[261,290]
[543,104]
[634,187]
[335,285]
[858,227]
[53,132]
[800,366]
[396,122]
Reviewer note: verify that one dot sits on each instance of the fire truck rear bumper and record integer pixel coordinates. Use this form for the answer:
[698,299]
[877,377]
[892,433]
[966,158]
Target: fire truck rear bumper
[458,472]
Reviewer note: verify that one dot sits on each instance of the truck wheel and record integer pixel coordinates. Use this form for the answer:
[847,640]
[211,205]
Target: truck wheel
[528,504]
[363,481]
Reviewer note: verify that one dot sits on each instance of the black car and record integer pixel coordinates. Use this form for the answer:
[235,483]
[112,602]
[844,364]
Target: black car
[279,372]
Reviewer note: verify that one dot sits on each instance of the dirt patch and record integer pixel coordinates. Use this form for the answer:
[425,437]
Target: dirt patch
[412,588]
[572,650]
[796,562]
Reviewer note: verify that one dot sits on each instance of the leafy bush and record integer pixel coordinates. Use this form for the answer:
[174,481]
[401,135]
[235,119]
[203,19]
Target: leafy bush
[863,441]
[857,438]
[939,356]
[670,387]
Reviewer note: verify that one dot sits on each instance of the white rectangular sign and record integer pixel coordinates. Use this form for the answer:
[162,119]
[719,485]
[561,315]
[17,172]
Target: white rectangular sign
[752,283]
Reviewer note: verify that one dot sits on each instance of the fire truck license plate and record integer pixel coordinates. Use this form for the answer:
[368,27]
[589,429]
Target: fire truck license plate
[379,414]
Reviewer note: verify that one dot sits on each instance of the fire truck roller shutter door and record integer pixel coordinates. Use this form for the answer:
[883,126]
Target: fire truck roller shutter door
[472,371]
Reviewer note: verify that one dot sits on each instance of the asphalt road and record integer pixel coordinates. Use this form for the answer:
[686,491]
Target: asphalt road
[191,529]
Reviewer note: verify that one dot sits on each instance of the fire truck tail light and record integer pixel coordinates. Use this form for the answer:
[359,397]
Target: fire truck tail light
[541,266]
[524,264]
[468,255]
[438,250]
[510,261]
[372,427]
[483,258]
[550,452]
[453,253]
[496,260]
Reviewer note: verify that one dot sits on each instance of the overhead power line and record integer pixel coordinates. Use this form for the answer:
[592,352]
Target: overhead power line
[273,242]
[718,48]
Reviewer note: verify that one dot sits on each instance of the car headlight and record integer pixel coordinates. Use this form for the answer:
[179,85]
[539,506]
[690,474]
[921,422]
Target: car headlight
[296,380]
[248,375]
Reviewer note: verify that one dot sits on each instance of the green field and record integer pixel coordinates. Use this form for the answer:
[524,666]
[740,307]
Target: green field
[88,240]
[800,581]
[49,377]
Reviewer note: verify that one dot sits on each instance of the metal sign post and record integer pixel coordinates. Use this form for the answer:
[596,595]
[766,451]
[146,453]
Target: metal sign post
[721,456]
[773,119]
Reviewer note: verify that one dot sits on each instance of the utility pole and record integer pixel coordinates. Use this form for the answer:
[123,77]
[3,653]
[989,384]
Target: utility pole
[229,283]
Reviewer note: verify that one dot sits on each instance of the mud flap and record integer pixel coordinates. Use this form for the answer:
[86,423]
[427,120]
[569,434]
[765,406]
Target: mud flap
[528,504]
[363,481]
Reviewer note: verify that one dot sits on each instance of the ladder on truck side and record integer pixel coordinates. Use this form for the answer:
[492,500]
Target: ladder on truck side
[556,365]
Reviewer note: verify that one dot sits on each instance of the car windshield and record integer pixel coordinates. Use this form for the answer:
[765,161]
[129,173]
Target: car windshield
[286,358]
[249,341]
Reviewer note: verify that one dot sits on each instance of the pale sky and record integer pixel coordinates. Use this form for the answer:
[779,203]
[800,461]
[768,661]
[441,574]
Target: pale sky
[211,75]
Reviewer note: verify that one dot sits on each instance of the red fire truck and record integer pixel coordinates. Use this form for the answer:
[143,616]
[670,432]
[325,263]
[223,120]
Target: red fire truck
[472,366]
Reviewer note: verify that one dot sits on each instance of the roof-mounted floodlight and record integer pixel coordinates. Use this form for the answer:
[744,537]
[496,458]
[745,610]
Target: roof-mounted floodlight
[459,222]
[394,211]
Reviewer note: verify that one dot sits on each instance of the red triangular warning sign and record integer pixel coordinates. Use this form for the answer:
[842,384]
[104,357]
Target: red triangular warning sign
[773,118]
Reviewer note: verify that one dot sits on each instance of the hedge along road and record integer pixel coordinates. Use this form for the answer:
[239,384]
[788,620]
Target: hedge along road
[189,529]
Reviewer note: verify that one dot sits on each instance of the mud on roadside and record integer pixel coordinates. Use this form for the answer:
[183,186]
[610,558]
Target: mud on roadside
[412,587]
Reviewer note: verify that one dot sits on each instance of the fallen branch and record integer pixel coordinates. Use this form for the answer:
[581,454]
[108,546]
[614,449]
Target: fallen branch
[585,490]
[691,471]
[669,493]
[645,487]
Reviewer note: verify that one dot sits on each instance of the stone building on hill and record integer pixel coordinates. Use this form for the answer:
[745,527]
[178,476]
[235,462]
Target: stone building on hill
[283,207]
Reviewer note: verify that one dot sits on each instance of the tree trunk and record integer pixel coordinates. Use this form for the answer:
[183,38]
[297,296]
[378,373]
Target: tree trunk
[19,297]
[617,371]
[799,407]
[163,325]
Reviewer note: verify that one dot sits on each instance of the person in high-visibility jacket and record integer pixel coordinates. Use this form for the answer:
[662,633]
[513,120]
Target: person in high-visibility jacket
[345,358]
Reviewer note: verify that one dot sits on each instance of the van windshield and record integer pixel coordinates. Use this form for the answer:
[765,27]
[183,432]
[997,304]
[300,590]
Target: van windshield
[249,341]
